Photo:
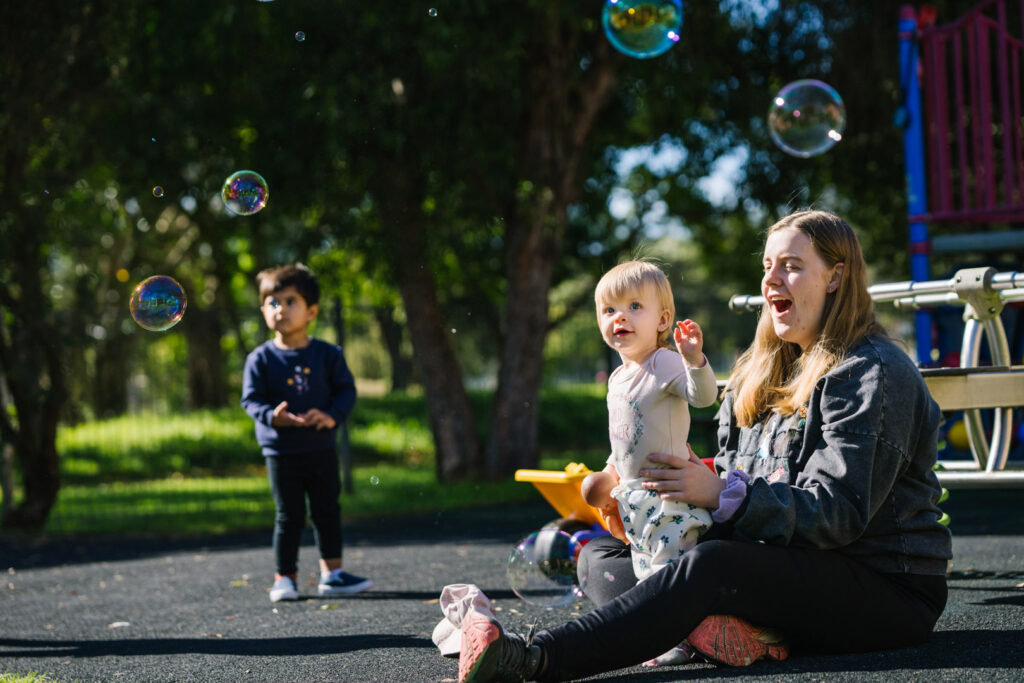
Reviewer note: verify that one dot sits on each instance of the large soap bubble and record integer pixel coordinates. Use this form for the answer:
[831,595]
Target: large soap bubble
[642,28]
[807,117]
[245,192]
[157,303]
[542,568]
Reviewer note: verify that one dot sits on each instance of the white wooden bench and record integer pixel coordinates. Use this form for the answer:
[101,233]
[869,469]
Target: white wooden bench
[999,387]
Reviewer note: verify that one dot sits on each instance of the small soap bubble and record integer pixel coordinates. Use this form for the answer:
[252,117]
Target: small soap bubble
[158,191]
[807,117]
[432,11]
[542,568]
[245,193]
[157,303]
[642,28]
[375,480]
[609,576]
[453,330]
[300,36]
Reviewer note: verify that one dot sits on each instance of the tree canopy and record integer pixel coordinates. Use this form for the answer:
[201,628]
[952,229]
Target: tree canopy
[455,166]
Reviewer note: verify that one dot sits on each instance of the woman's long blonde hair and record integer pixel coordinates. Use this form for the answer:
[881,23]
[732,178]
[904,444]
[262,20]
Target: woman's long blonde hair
[773,374]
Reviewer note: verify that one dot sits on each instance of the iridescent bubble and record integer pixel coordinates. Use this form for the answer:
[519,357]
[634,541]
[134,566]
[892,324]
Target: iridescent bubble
[300,36]
[642,28]
[245,192]
[432,12]
[609,576]
[807,117]
[158,191]
[542,568]
[374,480]
[157,303]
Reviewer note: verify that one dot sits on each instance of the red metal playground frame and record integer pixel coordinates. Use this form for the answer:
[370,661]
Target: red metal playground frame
[964,143]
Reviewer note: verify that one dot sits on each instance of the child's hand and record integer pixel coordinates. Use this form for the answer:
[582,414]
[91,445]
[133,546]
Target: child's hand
[612,520]
[284,418]
[319,419]
[689,341]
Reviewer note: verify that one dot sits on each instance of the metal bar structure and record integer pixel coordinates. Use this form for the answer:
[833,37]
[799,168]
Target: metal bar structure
[971,388]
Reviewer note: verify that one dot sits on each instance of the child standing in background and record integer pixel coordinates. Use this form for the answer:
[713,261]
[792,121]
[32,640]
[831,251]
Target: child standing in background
[647,412]
[298,389]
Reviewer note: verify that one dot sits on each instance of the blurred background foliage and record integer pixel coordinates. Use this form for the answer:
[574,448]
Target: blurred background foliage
[458,182]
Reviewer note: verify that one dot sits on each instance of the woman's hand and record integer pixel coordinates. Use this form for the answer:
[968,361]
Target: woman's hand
[686,480]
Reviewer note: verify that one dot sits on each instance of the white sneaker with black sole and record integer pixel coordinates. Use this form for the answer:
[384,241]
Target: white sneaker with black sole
[340,582]
[284,589]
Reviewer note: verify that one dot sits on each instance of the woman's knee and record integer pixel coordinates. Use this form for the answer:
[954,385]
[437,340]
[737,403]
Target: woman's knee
[605,569]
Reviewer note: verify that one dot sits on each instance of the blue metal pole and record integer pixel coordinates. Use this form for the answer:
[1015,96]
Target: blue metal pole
[913,152]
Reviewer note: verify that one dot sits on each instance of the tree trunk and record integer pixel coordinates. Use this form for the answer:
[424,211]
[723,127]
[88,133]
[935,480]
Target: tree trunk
[456,445]
[532,250]
[557,125]
[110,388]
[392,333]
[30,357]
[206,385]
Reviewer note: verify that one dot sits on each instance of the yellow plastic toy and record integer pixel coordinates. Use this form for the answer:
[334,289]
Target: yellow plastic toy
[562,490]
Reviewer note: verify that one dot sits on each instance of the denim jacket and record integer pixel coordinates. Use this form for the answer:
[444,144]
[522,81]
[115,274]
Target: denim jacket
[851,471]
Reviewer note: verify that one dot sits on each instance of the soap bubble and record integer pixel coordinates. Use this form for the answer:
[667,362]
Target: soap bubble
[807,117]
[300,36]
[157,303]
[374,480]
[158,191]
[542,568]
[245,192]
[642,28]
[432,12]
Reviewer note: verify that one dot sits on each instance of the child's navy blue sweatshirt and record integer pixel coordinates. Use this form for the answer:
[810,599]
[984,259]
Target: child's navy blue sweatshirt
[315,376]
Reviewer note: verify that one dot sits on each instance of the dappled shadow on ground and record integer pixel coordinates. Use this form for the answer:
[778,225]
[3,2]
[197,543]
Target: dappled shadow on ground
[253,647]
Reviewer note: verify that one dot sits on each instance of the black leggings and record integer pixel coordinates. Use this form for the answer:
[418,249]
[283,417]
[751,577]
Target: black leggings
[293,477]
[822,601]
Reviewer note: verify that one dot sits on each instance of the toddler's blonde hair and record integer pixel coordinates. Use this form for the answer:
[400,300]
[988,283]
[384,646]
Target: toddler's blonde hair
[636,276]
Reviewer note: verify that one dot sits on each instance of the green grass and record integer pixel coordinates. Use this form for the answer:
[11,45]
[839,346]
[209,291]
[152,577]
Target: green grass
[177,505]
[30,677]
[202,472]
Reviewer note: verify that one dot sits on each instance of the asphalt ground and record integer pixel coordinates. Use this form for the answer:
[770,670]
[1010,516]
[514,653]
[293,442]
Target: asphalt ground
[197,609]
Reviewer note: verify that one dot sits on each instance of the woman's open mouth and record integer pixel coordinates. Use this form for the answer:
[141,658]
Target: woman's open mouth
[780,305]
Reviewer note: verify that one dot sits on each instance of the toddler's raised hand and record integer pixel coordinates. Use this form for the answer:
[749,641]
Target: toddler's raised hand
[689,341]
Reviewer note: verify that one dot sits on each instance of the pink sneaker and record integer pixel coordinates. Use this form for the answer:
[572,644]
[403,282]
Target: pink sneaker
[733,641]
[489,655]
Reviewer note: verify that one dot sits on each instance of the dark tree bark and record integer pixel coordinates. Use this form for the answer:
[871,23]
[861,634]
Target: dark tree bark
[457,448]
[110,386]
[558,123]
[206,385]
[30,354]
[392,333]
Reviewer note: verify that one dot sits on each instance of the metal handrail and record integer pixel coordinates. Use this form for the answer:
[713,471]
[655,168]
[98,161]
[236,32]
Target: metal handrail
[983,292]
[1009,285]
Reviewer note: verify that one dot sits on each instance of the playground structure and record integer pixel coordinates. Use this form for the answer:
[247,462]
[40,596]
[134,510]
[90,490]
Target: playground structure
[963,142]
[962,136]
